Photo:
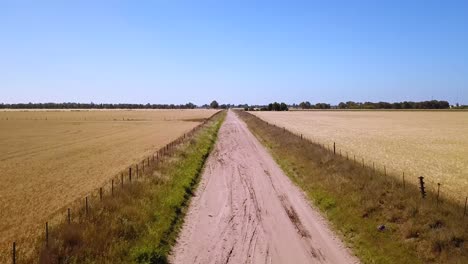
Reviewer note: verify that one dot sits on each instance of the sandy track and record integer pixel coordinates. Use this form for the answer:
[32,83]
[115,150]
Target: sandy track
[247,211]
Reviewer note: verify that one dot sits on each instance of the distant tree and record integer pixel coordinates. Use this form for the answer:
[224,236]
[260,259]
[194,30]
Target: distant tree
[283,107]
[305,105]
[214,104]
[342,105]
[276,107]
[190,105]
[322,106]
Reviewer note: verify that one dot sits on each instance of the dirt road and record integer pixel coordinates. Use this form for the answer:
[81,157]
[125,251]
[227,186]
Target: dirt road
[246,210]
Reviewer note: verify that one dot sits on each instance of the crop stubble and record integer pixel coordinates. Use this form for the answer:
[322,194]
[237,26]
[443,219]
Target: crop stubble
[433,144]
[48,159]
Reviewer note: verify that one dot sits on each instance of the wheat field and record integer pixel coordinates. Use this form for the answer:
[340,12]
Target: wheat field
[433,144]
[51,158]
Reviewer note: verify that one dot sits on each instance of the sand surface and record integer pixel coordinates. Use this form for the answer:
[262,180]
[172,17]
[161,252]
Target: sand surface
[246,210]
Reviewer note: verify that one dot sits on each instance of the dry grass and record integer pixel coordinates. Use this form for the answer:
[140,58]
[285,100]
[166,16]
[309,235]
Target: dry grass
[139,223]
[429,143]
[51,158]
[357,200]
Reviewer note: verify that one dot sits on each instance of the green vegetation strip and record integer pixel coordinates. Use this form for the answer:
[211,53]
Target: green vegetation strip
[140,223]
[358,200]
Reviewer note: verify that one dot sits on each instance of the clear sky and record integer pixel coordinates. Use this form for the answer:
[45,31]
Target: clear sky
[233,51]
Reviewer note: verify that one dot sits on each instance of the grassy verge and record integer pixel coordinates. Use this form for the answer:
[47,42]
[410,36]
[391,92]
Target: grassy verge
[357,200]
[140,222]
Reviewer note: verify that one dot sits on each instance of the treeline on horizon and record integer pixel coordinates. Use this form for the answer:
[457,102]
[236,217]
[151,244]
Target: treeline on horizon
[96,106]
[433,104]
[69,105]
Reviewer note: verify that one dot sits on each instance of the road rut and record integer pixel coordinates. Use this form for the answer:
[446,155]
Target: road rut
[246,210]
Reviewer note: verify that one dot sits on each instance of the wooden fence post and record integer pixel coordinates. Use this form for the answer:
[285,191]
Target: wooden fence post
[86,205]
[334,148]
[14,253]
[421,187]
[438,193]
[69,215]
[403,180]
[466,201]
[47,233]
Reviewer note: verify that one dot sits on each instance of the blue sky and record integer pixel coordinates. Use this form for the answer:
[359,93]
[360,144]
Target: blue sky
[233,51]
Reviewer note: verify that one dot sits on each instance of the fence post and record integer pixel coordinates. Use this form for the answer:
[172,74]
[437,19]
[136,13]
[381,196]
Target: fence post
[121,179]
[100,194]
[47,234]
[466,200]
[421,187]
[69,215]
[14,252]
[130,174]
[334,148]
[438,193]
[86,205]
[403,180]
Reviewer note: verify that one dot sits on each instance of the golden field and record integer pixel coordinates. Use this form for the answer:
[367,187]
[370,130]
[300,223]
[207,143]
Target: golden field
[49,159]
[433,144]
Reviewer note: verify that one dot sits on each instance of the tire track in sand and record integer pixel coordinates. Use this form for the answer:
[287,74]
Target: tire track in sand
[246,210]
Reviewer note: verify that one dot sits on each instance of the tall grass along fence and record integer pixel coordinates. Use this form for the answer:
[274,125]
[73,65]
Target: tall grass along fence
[362,199]
[83,207]
[425,184]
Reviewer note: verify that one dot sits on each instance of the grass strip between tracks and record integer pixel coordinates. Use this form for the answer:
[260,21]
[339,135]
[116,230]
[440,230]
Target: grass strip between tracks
[357,200]
[140,223]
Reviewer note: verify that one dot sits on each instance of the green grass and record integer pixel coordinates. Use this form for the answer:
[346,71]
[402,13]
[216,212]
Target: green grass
[356,200]
[141,222]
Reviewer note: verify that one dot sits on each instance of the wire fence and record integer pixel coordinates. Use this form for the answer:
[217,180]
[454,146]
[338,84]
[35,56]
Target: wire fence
[423,182]
[131,174]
